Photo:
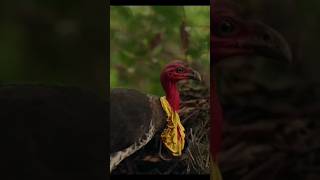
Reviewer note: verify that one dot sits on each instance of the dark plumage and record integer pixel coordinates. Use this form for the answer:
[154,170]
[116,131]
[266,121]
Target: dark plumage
[53,132]
[136,117]
[133,111]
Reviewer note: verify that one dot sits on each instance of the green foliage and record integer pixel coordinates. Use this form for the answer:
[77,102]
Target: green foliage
[144,39]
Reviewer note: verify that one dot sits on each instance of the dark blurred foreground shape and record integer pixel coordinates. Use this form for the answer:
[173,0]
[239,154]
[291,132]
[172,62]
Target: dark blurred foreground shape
[54,42]
[271,110]
[53,76]
[53,132]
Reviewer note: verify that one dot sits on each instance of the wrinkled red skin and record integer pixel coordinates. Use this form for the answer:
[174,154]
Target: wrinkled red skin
[169,78]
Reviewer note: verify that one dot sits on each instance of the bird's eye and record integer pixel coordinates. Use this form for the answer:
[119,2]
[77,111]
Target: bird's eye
[225,27]
[179,70]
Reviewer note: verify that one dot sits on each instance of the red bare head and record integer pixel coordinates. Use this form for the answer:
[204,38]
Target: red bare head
[234,34]
[178,70]
[173,73]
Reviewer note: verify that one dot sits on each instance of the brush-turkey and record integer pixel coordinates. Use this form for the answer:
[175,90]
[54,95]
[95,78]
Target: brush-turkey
[136,116]
[234,35]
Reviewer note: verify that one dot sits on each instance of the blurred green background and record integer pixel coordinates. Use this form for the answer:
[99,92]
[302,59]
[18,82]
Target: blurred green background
[54,42]
[145,38]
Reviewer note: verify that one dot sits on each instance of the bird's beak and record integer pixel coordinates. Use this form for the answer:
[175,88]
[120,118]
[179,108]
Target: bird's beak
[195,75]
[271,44]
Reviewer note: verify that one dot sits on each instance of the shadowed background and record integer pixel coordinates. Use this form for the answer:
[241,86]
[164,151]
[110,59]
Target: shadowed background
[53,131]
[272,109]
[54,42]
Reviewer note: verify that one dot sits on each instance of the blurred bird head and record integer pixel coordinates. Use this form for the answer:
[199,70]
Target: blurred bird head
[234,34]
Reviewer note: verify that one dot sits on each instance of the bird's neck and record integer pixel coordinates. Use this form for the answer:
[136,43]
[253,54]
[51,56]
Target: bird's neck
[216,113]
[217,120]
[172,94]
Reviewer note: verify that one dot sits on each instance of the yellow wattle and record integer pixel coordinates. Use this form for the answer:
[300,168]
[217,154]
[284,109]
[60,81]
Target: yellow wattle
[173,136]
[215,173]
